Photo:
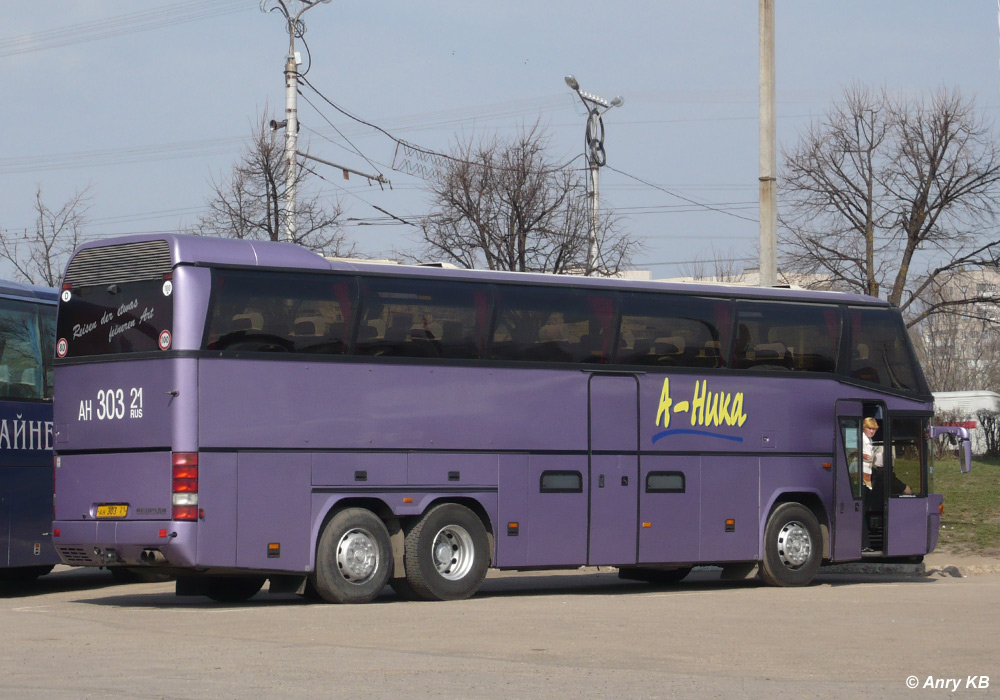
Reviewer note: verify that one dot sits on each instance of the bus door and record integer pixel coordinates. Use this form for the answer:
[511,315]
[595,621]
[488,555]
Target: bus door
[904,485]
[848,509]
[614,469]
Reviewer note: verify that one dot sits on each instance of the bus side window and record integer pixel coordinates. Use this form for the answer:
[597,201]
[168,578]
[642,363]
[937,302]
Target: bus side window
[669,330]
[788,336]
[550,324]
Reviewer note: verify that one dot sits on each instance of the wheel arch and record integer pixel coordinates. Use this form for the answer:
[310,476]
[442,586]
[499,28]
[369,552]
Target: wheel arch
[472,504]
[396,524]
[334,505]
[809,499]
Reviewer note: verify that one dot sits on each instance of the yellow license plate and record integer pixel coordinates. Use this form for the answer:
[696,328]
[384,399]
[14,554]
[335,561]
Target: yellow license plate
[119,510]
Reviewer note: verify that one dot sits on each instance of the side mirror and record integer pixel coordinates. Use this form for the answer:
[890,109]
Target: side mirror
[961,435]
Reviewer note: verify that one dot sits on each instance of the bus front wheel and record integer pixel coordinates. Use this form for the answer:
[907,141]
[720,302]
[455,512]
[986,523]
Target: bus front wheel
[354,557]
[446,554]
[793,546]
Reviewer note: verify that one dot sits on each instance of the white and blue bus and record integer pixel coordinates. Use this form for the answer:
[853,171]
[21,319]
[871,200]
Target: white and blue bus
[27,331]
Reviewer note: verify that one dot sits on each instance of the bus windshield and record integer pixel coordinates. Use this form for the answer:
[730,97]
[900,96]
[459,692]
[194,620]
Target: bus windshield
[25,351]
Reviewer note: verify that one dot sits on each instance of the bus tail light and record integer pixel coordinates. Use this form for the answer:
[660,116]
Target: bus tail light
[185,486]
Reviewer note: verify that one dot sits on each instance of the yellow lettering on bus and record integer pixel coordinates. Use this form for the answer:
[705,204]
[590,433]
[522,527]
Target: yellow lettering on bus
[663,412]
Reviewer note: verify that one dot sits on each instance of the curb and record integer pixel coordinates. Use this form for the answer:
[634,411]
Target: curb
[883,568]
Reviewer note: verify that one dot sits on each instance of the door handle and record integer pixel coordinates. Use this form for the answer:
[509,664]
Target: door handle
[624,481]
[600,481]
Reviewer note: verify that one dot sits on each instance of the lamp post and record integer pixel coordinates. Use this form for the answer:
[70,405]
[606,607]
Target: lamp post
[594,138]
[295,28]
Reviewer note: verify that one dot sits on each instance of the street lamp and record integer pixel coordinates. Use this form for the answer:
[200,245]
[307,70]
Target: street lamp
[594,138]
[295,28]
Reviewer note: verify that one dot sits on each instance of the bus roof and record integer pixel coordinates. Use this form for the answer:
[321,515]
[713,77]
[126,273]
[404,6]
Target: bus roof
[190,249]
[20,290]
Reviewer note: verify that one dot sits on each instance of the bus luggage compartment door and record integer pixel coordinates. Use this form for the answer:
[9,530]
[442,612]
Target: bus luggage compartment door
[614,470]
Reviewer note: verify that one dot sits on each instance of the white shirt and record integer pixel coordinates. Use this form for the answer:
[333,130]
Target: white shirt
[872,457]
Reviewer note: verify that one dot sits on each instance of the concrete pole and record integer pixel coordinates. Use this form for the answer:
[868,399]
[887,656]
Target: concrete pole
[291,135]
[595,194]
[768,149]
[595,217]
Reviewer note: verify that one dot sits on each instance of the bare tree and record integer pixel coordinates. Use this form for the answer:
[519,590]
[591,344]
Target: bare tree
[249,203]
[959,347]
[958,353]
[41,257]
[889,197]
[501,204]
[726,266]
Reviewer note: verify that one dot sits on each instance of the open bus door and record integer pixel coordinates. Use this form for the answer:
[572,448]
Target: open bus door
[848,510]
[902,485]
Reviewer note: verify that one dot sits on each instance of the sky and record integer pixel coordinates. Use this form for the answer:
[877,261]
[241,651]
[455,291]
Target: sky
[146,103]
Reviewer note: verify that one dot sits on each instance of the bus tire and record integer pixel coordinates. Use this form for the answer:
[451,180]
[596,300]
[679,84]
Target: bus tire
[446,554]
[793,546]
[353,557]
[233,589]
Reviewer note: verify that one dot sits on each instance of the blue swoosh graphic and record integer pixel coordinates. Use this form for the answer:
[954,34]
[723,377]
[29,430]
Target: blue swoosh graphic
[688,431]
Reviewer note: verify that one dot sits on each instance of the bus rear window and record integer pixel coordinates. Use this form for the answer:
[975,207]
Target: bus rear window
[108,319]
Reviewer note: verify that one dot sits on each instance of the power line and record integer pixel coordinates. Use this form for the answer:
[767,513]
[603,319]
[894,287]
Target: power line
[323,116]
[694,262]
[686,199]
[120,156]
[146,20]
[407,144]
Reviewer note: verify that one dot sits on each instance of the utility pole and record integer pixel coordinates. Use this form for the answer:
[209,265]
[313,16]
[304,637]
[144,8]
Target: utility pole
[768,158]
[292,61]
[291,135]
[596,158]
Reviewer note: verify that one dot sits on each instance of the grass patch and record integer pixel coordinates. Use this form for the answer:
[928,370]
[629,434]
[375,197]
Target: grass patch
[971,520]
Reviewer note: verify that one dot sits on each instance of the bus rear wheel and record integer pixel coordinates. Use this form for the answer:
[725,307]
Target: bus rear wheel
[446,554]
[353,558]
[793,546]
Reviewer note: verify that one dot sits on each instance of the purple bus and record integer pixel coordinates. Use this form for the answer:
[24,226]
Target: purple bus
[233,412]
[27,332]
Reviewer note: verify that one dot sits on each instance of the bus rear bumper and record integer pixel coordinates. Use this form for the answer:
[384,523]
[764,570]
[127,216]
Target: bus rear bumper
[135,543]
